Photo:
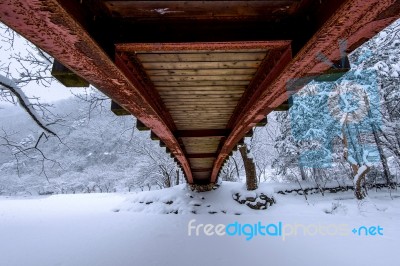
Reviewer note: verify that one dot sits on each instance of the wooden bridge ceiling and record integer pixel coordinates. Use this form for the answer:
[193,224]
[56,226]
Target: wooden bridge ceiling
[199,74]
[200,85]
[148,10]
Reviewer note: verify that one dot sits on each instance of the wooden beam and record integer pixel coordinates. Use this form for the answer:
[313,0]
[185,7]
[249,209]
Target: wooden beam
[263,122]
[140,126]
[201,133]
[249,134]
[153,136]
[118,110]
[283,107]
[66,77]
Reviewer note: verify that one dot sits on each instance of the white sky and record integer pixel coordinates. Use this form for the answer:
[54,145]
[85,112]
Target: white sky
[55,92]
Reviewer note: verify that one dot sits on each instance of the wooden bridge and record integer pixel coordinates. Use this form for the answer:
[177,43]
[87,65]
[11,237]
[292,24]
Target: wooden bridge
[199,74]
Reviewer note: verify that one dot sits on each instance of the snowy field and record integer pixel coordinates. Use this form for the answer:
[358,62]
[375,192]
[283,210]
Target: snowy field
[134,229]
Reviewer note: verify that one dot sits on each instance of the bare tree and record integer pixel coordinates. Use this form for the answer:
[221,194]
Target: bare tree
[21,70]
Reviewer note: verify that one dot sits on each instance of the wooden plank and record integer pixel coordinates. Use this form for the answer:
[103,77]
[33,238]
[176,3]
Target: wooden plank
[199,107]
[201,155]
[201,160]
[66,77]
[209,147]
[200,57]
[201,166]
[168,49]
[199,65]
[195,121]
[202,124]
[197,88]
[211,126]
[202,117]
[201,96]
[283,107]
[195,103]
[202,177]
[197,112]
[200,111]
[203,147]
[118,110]
[200,93]
[203,144]
[140,126]
[200,9]
[211,71]
[186,125]
[249,134]
[229,101]
[200,140]
[201,150]
[263,122]
[201,78]
[201,133]
[153,136]
[208,111]
[201,83]
[201,170]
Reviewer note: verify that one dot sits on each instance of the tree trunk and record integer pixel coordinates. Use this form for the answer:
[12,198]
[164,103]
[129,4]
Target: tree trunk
[355,168]
[358,184]
[378,142]
[385,166]
[177,178]
[250,168]
[302,173]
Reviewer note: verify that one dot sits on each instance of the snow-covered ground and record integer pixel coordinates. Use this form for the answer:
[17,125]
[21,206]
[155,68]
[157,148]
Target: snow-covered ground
[117,229]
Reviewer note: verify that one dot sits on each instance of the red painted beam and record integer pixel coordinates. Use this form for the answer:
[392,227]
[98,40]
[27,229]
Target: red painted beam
[355,21]
[137,75]
[47,24]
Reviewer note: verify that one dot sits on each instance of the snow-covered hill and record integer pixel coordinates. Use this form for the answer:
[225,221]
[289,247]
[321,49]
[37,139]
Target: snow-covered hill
[97,152]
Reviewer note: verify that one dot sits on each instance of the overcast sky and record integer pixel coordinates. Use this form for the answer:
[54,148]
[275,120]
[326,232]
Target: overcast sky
[50,94]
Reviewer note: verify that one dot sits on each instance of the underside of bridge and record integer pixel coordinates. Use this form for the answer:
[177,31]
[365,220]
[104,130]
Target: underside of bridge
[199,74]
